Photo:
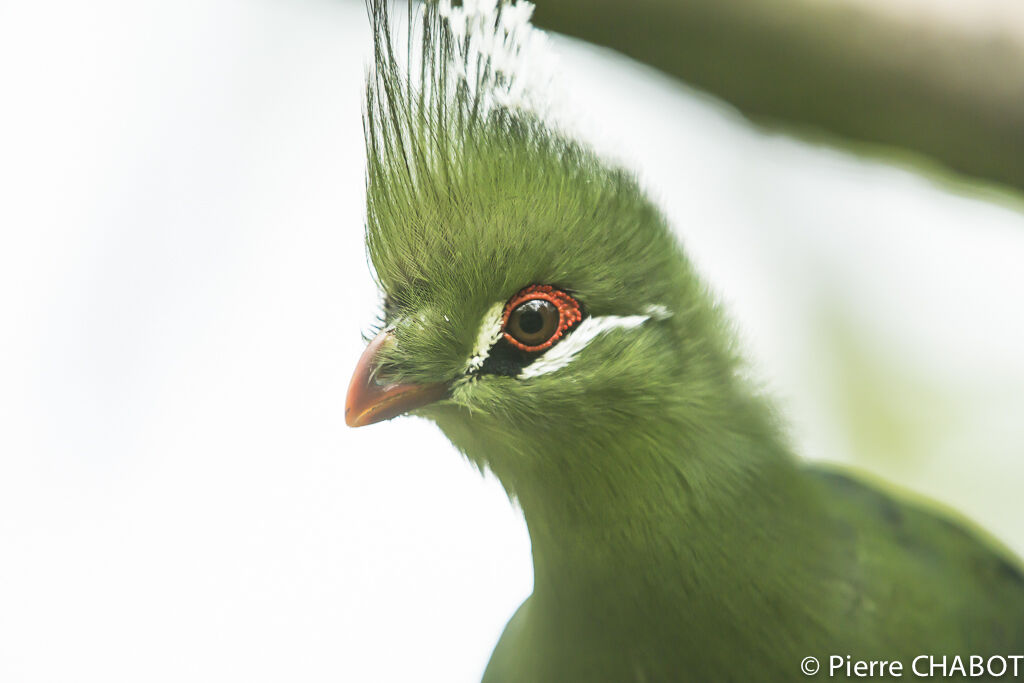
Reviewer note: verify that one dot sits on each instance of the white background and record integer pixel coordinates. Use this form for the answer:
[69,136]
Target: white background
[182,290]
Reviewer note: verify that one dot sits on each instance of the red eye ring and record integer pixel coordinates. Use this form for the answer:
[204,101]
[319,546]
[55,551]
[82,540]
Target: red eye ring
[570,313]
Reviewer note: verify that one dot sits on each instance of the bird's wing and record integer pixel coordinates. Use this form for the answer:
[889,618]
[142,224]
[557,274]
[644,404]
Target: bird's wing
[920,576]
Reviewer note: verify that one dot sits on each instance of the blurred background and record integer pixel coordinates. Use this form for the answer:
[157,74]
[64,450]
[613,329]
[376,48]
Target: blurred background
[183,286]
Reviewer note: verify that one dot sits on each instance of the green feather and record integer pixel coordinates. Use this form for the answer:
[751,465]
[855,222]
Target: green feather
[674,534]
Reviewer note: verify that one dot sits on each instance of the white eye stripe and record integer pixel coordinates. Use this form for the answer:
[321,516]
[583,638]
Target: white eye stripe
[658,312]
[490,333]
[562,353]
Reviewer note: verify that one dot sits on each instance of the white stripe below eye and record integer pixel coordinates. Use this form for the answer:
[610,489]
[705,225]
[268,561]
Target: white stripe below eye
[562,353]
[658,312]
[490,333]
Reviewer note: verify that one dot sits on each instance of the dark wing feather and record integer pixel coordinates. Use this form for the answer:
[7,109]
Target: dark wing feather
[920,578]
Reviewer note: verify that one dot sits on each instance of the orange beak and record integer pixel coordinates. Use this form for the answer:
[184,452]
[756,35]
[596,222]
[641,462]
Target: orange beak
[369,402]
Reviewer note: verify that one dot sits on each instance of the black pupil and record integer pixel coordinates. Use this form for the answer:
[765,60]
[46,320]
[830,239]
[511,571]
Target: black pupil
[531,321]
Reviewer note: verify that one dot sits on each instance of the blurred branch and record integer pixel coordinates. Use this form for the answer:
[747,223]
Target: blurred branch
[942,80]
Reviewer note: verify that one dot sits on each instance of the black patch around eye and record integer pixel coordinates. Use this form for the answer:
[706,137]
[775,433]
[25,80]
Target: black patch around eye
[505,359]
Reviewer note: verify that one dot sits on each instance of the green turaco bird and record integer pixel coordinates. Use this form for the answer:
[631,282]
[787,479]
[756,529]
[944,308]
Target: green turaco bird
[539,310]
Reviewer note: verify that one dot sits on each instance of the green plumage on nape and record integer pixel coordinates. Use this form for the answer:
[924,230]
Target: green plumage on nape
[540,311]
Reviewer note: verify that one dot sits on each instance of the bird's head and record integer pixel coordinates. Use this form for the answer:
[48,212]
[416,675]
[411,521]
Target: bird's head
[533,294]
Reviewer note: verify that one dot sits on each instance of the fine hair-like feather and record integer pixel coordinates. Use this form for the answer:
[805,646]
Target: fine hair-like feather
[472,192]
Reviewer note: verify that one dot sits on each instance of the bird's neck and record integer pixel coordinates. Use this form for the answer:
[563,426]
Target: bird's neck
[660,515]
[686,496]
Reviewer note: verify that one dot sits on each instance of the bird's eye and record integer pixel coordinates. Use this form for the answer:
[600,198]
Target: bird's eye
[532,323]
[538,316]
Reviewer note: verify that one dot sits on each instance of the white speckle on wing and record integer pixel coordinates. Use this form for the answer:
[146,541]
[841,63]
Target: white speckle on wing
[490,333]
[562,353]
